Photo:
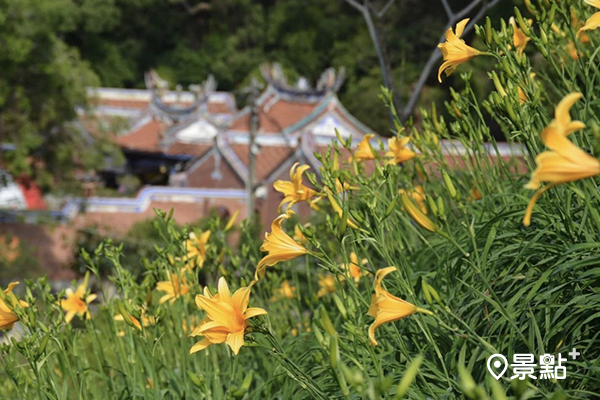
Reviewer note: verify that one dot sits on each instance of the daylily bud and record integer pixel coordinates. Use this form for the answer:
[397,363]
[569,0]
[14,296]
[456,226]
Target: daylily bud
[231,221]
[353,376]
[497,84]
[434,294]
[552,12]
[530,7]
[334,352]
[196,380]
[522,24]
[432,206]
[340,305]
[326,322]
[408,377]
[416,214]
[426,293]
[125,313]
[449,184]
[488,30]
[509,110]
[43,345]
[44,327]
[242,390]
[543,36]
[318,335]
[390,207]
[441,209]
[503,27]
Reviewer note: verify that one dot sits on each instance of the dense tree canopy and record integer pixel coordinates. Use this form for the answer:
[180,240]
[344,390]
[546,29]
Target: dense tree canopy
[50,50]
[188,39]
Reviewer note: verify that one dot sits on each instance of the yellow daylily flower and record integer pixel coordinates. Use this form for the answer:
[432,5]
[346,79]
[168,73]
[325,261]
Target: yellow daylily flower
[520,40]
[353,269]
[455,51]
[363,150]
[398,152]
[174,288]
[565,162]
[226,317]
[571,50]
[327,284]
[294,190]
[522,96]
[196,249]
[77,302]
[386,307]
[286,291]
[592,22]
[7,315]
[279,245]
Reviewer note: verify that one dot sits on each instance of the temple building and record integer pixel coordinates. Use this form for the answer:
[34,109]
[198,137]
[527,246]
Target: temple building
[198,139]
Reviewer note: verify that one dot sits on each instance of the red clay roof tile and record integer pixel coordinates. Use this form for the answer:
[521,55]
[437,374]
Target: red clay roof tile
[281,115]
[145,138]
[268,159]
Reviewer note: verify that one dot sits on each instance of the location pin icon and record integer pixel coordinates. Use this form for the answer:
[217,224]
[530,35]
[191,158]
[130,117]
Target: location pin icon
[497,362]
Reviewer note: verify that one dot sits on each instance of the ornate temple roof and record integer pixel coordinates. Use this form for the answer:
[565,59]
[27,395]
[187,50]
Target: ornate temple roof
[203,126]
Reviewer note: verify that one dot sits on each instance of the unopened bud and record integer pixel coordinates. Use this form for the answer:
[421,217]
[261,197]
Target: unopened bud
[497,84]
[449,184]
[416,214]
[488,30]
[522,23]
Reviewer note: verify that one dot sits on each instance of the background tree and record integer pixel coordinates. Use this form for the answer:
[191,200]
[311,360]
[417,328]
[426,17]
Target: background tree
[43,80]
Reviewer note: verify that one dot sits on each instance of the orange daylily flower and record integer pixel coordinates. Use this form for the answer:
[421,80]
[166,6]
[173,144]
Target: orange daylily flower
[363,150]
[294,190]
[286,291]
[386,307]
[520,40]
[353,269]
[455,51]
[77,302]
[327,284]
[398,152]
[196,249]
[565,162]
[279,245]
[592,22]
[7,315]
[174,288]
[226,317]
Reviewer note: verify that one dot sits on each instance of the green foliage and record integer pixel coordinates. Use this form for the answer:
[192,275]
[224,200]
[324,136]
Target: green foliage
[482,281]
[43,80]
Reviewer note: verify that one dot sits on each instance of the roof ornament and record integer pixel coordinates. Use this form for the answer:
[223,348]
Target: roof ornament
[173,108]
[330,81]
